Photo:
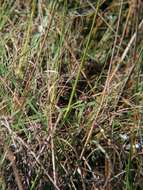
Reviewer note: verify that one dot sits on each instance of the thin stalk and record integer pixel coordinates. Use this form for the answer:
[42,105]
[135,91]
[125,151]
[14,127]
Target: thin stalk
[81,65]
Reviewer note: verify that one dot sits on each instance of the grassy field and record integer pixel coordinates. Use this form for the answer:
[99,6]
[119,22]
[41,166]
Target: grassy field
[71,95]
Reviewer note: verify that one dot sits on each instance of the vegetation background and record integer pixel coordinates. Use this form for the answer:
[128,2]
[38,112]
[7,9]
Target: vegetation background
[71,94]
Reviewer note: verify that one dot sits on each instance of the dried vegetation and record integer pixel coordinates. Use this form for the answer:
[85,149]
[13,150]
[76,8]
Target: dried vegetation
[71,94]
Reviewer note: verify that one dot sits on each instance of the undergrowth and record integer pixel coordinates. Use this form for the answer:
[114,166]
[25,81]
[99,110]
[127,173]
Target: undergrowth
[71,94]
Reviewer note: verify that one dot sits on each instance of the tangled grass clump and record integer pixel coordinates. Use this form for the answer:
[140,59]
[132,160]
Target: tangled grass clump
[71,95]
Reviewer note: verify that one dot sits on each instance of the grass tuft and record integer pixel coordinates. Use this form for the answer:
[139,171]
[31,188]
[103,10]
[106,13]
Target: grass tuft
[71,94]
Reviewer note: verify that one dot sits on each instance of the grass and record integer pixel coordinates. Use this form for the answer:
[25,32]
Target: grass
[71,95]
